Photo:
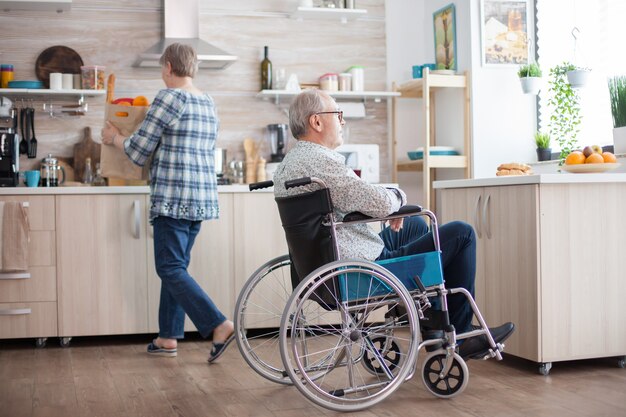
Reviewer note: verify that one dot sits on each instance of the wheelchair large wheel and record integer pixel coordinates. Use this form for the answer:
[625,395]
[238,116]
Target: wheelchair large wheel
[453,382]
[257,318]
[322,340]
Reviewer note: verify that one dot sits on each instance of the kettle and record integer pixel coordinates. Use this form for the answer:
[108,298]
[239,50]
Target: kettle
[50,169]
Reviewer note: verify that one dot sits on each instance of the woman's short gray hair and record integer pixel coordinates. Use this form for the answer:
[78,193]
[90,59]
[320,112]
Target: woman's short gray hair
[182,58]
[304,105]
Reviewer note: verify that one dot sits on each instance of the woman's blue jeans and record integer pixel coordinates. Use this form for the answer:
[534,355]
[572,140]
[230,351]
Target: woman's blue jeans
[458,258]
[180,293]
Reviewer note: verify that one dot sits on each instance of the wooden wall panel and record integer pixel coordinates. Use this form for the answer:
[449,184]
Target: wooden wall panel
[113,33]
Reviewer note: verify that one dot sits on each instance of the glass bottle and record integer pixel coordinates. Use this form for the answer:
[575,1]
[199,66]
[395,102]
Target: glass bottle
[266,71]
[88,173]
[99,179]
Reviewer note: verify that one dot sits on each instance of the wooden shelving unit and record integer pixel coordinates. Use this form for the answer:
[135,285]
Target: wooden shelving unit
[421,89]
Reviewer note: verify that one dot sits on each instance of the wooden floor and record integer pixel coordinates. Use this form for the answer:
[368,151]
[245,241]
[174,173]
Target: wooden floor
[113,377]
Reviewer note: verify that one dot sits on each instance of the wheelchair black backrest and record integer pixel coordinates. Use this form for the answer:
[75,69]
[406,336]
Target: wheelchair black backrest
[309,240]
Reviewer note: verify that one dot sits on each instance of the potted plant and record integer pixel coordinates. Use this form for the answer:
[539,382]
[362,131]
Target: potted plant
[530,78]
[564,103]
[617,93]
[577,76]
[544,152]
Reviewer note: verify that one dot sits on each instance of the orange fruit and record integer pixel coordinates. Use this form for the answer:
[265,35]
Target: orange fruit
[140,101]
[123,103]
[575,158]
[608,157]
[594,158]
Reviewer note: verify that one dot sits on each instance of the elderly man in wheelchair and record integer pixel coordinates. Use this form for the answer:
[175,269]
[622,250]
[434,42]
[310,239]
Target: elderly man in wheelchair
[354,307]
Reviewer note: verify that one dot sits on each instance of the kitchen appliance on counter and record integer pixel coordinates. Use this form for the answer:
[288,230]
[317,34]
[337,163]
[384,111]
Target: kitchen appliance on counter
[277,137]
[50,170]
[9,149]
[363,159]
[220,167]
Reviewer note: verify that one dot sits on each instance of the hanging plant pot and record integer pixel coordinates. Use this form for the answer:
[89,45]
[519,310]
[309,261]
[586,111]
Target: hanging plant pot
[619,140]
[531,85]
[544,154]
[578,78]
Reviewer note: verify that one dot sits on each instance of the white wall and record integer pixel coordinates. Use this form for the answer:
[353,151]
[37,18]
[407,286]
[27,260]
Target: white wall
[503,119]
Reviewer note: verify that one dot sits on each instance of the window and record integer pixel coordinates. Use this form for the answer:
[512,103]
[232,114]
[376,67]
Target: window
[599,46]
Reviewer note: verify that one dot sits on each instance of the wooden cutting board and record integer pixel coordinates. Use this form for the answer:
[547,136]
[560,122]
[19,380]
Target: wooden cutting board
[84,149]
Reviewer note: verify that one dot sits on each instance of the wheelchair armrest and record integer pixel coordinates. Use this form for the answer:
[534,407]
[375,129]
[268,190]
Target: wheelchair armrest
[404,211]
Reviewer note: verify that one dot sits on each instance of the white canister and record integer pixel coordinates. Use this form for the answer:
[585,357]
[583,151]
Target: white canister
[358,77]
[345,81]
[68,81]
[56,81]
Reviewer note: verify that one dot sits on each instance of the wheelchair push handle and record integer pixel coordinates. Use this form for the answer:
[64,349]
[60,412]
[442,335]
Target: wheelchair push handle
[297,182]
[261,185]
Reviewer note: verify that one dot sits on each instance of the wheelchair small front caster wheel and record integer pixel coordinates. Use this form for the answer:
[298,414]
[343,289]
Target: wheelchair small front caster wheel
[449,385]
[544,368]
[40,342]
[65,342]
[390,354]
[621,362]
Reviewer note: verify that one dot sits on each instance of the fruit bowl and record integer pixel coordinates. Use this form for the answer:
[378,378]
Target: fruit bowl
[588,168]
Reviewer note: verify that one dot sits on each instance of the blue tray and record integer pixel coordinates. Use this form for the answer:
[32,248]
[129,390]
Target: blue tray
[26,84]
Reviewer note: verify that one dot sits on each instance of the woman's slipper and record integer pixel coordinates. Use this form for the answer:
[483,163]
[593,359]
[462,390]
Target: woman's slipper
[154,349]
[219,348]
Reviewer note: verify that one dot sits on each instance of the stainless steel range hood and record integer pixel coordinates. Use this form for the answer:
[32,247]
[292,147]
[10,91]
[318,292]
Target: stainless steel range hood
[182,24]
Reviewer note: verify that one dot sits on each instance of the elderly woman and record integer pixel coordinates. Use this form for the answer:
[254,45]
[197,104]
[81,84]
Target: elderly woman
[179,132]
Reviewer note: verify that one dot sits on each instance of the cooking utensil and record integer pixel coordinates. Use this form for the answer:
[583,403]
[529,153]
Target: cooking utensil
[32,145]
[57,59]
[24,141]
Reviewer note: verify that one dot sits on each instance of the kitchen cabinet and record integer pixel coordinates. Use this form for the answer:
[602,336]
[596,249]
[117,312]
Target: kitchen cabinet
[102,267]
[549,260]
[424,89]
[212,265]
[28,299]
[506,223]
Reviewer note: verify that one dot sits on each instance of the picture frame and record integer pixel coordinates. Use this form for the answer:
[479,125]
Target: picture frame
[444,26]
[505,35]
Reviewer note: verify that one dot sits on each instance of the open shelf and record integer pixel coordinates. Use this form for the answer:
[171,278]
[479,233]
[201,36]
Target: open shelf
[375,95]
[343,15]
[415,88]
[42,92]
[434,161]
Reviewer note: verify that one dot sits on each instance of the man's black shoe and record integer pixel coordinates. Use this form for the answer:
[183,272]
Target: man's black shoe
[478,346]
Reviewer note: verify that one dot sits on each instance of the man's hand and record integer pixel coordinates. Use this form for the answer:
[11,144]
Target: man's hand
[396,224]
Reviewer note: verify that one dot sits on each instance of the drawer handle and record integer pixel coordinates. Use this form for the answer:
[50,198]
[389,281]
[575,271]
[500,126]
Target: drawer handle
[137,229]
[15,275]
[15,311]
[477,217]
[486,221]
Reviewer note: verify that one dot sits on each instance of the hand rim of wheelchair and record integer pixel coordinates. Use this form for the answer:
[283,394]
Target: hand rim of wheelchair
[431,377]
[258,364]
[288,346]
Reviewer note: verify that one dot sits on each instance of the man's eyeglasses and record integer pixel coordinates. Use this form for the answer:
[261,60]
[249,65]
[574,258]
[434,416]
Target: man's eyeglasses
[339,114]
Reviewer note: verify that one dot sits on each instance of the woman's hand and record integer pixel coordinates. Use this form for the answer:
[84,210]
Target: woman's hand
[396,224]
[109,133]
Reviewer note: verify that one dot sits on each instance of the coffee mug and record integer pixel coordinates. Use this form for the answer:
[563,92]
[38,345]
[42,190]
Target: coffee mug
[431,67]
[32,178]
[417,71]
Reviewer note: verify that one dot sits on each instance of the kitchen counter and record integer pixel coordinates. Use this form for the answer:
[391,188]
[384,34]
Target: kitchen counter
[87,190]
[564,178]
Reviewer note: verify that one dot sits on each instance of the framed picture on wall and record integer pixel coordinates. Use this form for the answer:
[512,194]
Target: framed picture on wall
[444,22]
[504,32]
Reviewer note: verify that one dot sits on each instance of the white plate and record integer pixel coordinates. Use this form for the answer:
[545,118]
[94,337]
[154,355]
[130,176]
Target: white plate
[587,168]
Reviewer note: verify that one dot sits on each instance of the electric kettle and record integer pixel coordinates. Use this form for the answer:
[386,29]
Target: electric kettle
[50,169]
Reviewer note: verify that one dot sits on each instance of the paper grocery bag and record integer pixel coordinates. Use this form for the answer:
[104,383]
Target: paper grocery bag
[113,162]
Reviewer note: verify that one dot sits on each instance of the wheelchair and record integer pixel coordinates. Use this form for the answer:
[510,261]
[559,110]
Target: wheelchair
[347,332]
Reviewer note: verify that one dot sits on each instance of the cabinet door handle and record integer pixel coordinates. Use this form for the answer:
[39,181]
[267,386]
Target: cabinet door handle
[15,275]
[137,208]
[486,221]
[14,311]
[477,217]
